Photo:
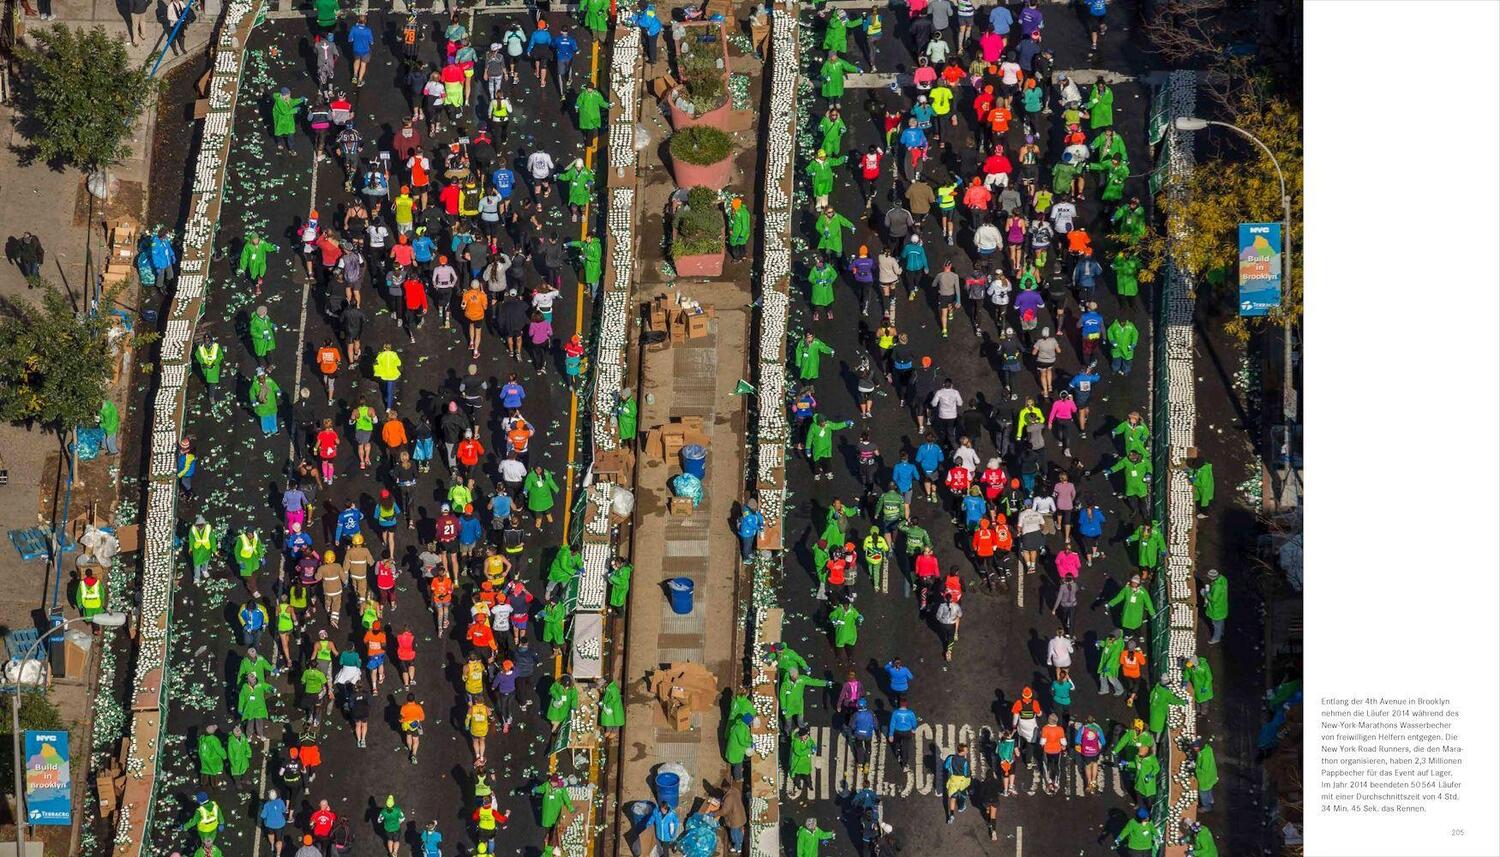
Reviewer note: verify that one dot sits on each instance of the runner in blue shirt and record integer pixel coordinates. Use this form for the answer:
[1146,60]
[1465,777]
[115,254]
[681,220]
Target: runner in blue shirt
[898,675]
[1090,528]
[504,182]
[905,475]
[1001,20]
[512,395]
[567,48]
[1095,21]
[360,41]
[930,458]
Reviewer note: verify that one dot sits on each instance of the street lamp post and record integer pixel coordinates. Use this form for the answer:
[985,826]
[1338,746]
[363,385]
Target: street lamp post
[1288,394]
[102,620]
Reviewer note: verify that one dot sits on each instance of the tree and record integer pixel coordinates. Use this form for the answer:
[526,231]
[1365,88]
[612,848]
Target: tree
[1236,184]
[55,364]
[81,96]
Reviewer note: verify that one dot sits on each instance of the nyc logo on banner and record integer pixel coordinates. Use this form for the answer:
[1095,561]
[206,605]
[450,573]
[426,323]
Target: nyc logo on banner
[49,782]
[1260,268]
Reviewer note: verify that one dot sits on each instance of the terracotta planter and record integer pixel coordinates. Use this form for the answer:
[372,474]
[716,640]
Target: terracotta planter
[715,118]
[701,265]
[713,175]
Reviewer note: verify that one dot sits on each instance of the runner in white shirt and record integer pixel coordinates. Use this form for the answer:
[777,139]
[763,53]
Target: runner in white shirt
[540,166]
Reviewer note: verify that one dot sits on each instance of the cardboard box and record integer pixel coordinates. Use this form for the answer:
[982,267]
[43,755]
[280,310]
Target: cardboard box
[690,423]
[661,85]
[682,507]
[697,326]
[681,719]
[613,464]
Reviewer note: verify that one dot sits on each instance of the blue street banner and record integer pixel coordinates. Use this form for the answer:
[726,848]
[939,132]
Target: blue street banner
[49,782]
[1260,268]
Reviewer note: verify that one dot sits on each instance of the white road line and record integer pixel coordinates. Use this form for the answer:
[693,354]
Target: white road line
[1018,840]
[312,203]
[265,761]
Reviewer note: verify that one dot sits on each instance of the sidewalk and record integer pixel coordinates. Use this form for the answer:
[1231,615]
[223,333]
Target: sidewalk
[696,378]
[54,205]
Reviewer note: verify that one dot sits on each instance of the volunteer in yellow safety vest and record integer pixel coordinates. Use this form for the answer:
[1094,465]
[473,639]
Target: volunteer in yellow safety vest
[202,543]
[90,594]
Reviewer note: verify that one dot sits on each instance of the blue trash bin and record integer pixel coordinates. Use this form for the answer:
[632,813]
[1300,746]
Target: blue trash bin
[667,785]
[694,460]
[681,591]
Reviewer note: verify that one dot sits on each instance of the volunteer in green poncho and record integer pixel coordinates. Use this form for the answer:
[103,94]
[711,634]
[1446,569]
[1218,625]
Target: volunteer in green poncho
[1200,677]
[820,444]
[1137,435]
[820,170]
[1149,546]
[1127,270]
[820,281]
[211,756]
[1137,604]
[562,698]
[1115,174]
[252,706]
[1203,486]
[832,76]
[1137,470]
[1163,697]
[554,798]
[1201,839]
[1108,145]
[627,412]
[611,707]
[1216,603]
[1122,337]
[202,543]
[836,33]
[1108,670]
[1138,835]
[580,181]
[737,743]
[562,571]
[739,228]
[1101,106]
[284,107]
[791,696]
[249,553]
[209,356]
[1145,769]
[253,259]
[807,356]
[1206,772]
[830,227]
[1130,220]
[787,660]
[595,17]
[262,334]
[1063,174]
[254,664]
[591,254]
[541,490]
[554,623]
[809,837]
[619,582]
[265,396]
[845,621]
[832,128]
[109,424]
[800,751]
[1131,740]
[591,105]
[239,755]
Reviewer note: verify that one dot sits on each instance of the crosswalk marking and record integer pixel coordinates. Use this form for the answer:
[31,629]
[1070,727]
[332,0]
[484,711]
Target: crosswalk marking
[835,773]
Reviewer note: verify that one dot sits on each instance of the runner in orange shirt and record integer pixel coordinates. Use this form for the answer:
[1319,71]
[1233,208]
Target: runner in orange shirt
[518,438]
[393,434]
[481,636]
[474,302]
[328,363]
[1054,742]
[412,715]
[1132,661]
[441,589]
[375,641]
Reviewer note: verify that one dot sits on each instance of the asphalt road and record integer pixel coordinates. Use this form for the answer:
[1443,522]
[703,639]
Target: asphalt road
[1002,646]
[238,485]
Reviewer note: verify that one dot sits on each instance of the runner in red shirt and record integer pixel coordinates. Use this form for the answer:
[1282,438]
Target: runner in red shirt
[406,656]
[327,446]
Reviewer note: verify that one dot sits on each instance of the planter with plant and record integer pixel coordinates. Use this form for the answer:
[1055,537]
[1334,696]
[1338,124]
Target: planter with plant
[698,235]
[701,156]
[702,95]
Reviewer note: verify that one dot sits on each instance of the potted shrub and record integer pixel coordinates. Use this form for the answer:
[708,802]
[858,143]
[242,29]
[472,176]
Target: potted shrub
[701,156]
[698,235]
[702,96]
